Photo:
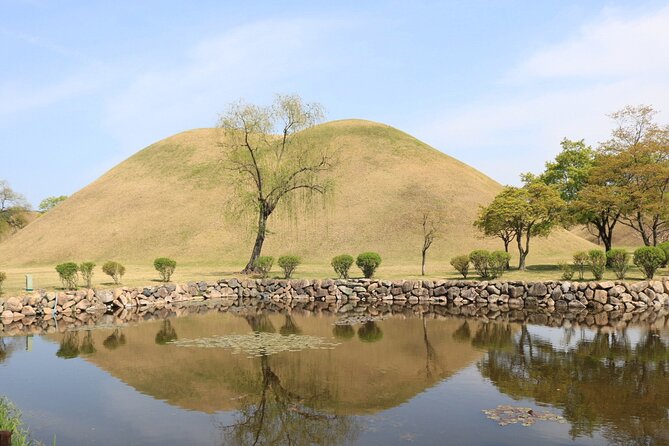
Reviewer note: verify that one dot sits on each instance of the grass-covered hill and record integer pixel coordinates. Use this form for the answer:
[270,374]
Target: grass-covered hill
[174,198]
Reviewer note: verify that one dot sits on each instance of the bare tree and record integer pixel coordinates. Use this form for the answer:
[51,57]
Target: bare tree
[271,157]
[429,234]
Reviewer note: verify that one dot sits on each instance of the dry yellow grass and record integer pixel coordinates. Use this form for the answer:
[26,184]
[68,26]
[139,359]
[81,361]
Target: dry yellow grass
[173,199]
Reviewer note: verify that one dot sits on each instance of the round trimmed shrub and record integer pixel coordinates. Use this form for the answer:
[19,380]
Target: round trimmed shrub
[580,262]
[497,263]
[264,265]
[649,259]
[288,264]
[664,246]
[480,260]
[165,267]
[597,262]
[86,271]
[368,262]
[68,274]
[342,264]
[618,260]
[461,265]
[567,270]
[114,270]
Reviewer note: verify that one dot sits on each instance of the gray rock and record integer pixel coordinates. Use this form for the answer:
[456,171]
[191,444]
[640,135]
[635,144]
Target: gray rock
[538,289]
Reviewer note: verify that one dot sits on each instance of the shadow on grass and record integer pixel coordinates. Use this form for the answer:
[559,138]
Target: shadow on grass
[540,268]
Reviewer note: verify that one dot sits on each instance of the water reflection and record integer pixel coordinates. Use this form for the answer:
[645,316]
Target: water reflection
[166,333]
[274,414]
[114,340]
[605,382]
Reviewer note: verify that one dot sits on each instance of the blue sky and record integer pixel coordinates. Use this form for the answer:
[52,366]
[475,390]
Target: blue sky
[496,84]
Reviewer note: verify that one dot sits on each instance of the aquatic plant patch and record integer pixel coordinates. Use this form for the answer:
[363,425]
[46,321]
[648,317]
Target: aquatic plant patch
[259,343]
[505,415]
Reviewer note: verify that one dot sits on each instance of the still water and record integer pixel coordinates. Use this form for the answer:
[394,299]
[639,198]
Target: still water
[271,378]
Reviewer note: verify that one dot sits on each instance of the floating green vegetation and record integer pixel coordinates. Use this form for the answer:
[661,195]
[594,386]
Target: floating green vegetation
[260,343]
[354,319]
[505,415]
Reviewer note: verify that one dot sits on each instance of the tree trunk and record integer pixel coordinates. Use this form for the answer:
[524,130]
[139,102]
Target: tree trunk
[260,239]
[422,264]
[506,250]
[522,252]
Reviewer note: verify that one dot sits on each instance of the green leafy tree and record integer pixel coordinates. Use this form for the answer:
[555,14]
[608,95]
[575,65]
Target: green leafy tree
[3,277]
[492,222]
[533,210]
[165,267]
[86,271]
[51,202]
[569,172]
[68,274]
[271,157]
[13,208]
[368,262]
[638,153]
[342,264]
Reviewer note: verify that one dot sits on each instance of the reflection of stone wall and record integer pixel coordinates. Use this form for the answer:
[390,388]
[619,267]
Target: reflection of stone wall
[597,297]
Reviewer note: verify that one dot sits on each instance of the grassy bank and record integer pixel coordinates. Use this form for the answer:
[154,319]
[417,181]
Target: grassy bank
[10,420]
[141,275]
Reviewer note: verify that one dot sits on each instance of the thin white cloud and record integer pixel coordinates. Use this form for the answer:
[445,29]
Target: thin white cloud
[249,61]
[612,46]
[17,96]
[565,90]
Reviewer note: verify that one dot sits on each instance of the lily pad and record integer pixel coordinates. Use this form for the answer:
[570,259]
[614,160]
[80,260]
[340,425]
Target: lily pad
[259,343]
[525,416]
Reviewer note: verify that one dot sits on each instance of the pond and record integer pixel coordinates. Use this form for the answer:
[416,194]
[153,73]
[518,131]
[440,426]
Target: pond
[253,376]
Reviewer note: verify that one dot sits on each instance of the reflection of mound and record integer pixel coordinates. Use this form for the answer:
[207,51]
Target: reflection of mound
[354,378]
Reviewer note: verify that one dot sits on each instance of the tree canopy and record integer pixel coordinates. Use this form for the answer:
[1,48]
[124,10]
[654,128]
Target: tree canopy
[271,158]
[533,210]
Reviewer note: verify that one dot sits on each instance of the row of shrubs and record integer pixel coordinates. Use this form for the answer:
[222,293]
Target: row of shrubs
[368,262]
[647,258]
[488,265]
[70,272]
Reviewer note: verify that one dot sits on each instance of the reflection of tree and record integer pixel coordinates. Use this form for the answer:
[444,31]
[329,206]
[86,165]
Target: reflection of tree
[280,416]
[430,353]
[260,323]
[6,349]
[289,327]
[343,332]
[87,345]
[69,345]
[370,332]
[605,382]
[463,333]
[166,333]
[493,335]
[114,340]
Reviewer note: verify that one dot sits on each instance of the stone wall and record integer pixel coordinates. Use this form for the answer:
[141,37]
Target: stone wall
[502,296]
